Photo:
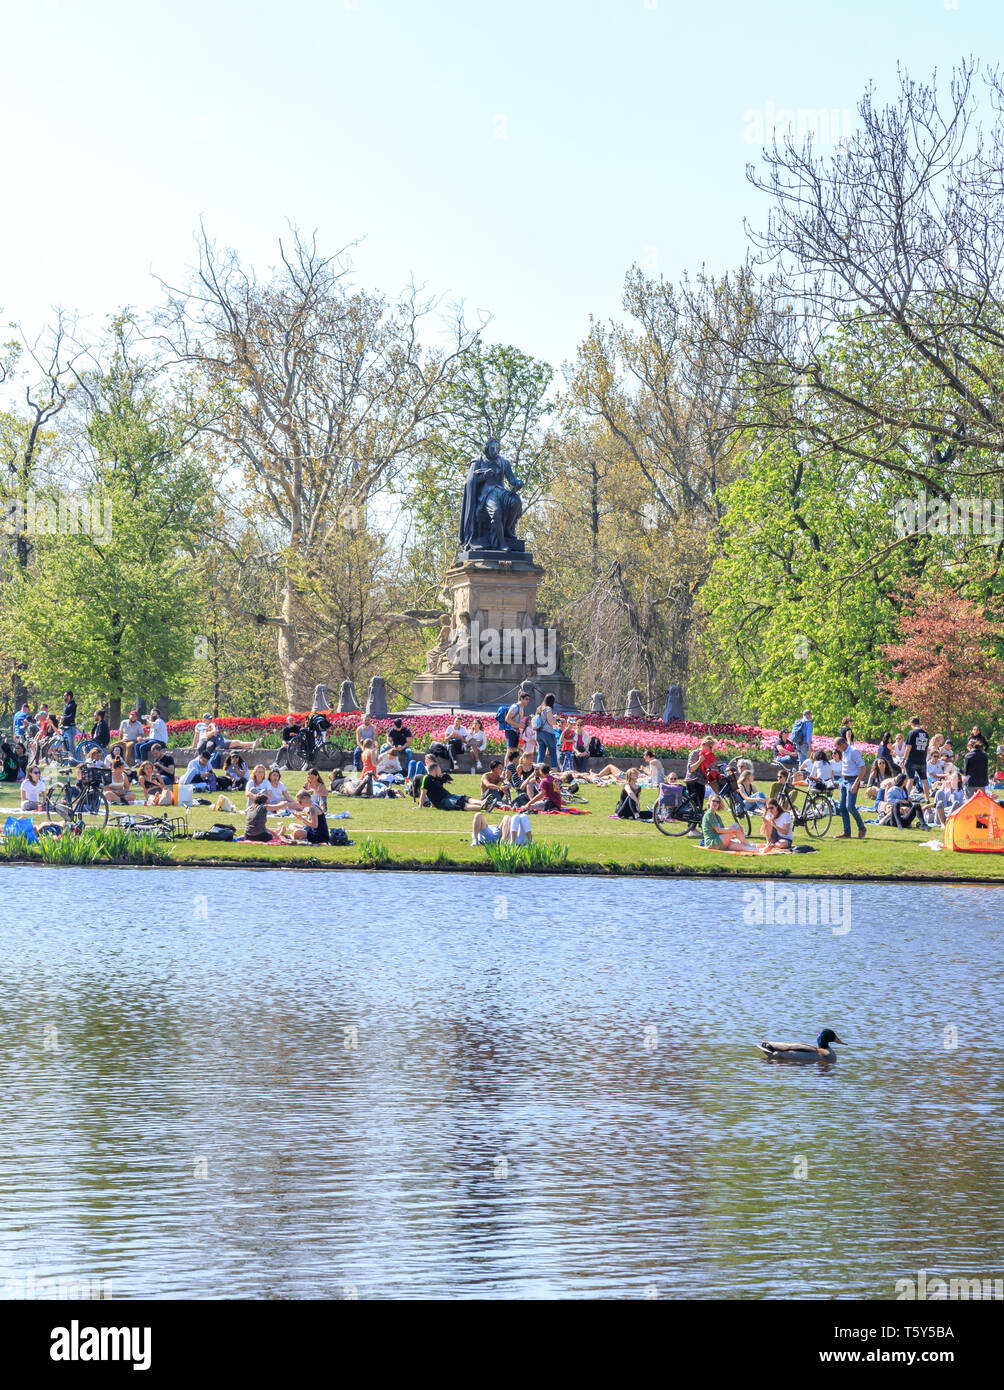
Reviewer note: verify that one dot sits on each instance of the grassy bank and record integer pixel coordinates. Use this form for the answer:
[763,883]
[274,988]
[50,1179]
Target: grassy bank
[394,834]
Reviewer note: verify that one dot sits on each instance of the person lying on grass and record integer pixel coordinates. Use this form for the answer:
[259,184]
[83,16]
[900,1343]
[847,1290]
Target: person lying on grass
[313,826]
[604,777]
[777,826]
[435,794]
[718,835]
[512,830]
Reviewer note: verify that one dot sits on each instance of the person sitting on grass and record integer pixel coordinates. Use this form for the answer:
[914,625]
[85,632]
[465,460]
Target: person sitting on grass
[317,789]
[435,794]
[512,830]
[716,834]
[949,797]
[747,788]
[199,775]
[494,789]
[652,769]
[367,769]
[32,790]
[279,798]
[255,827]
[257,782]
[629,806]
[547,796]
[118,789]
[898,809]
[234,775]
[510,772]
[313,825]
[152,785]
[388,766]
[777,826]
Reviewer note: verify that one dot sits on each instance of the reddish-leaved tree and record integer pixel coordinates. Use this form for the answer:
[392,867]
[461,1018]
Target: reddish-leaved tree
[945,670]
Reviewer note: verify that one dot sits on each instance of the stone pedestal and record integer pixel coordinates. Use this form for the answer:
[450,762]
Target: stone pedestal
[496,637]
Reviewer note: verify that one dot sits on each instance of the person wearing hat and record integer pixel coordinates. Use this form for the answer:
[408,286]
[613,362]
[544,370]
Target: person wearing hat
[130,733]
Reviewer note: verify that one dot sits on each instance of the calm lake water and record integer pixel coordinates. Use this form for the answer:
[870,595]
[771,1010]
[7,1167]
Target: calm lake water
[220,1084]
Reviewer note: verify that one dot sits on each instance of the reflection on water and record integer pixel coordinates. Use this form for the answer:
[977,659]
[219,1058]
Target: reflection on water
[431,1085]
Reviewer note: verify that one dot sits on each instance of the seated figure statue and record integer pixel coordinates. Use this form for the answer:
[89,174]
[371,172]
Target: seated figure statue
[492,504]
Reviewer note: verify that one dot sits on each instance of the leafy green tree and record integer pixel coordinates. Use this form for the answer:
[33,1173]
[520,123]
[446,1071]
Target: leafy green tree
[107,603]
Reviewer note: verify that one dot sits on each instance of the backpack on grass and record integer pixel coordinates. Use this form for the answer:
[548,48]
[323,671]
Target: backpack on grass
[217,831]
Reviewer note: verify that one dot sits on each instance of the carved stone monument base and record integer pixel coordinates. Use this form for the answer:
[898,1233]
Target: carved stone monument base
[496,638]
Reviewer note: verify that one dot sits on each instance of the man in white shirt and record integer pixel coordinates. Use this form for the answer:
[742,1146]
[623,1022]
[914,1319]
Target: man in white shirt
[157,734]
[456,737]
[851,769]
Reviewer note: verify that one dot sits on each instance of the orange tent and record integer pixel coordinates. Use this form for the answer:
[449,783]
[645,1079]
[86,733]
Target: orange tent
[977,825]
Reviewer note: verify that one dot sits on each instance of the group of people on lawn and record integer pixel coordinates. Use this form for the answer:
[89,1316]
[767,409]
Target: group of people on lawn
[913,779]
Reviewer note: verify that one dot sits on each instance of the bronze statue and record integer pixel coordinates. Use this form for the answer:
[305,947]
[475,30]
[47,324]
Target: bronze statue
[491,504]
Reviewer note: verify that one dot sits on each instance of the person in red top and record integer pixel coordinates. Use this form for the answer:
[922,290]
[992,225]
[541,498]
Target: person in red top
[700,766]
[548,797]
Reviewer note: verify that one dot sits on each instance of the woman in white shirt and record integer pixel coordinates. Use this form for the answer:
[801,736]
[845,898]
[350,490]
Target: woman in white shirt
[278,796]
[388,767]
[821,773]
[477,742]
[777,827]
[32,790]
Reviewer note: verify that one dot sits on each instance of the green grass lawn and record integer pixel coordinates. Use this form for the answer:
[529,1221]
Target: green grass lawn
[423,838]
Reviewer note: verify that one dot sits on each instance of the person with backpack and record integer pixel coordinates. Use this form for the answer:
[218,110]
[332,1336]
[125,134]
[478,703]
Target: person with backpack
[801,736]
[512,719]
[546,730]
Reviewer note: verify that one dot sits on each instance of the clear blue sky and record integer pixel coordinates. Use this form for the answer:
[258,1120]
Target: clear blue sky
[517,155]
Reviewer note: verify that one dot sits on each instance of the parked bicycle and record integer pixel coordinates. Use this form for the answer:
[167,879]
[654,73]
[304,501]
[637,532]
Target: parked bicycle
[79,801]
[815,812]
[677,812]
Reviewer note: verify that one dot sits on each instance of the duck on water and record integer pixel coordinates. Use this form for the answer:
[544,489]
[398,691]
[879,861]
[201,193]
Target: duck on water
[803,1052]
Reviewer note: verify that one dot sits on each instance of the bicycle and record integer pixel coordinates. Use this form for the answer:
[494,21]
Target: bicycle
[160,827]
[81,803]
[679,814]
[817,808]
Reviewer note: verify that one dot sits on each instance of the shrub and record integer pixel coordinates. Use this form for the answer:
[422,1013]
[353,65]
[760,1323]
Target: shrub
[373,851]
[516,859]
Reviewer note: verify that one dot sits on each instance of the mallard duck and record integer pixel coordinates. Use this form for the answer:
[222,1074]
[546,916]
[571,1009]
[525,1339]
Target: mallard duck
[803,1052]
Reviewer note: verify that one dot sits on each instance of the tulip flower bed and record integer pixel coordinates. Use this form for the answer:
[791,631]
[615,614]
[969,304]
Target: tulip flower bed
[620,736]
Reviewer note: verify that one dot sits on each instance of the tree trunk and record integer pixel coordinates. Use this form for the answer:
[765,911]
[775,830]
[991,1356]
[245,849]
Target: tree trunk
[299,687]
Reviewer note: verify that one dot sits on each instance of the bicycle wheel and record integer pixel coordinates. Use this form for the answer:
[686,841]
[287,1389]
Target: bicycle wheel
[818,814]
[92,809]
[674,820]
[297,762]
[55,806]
[84,746]
[740,814]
